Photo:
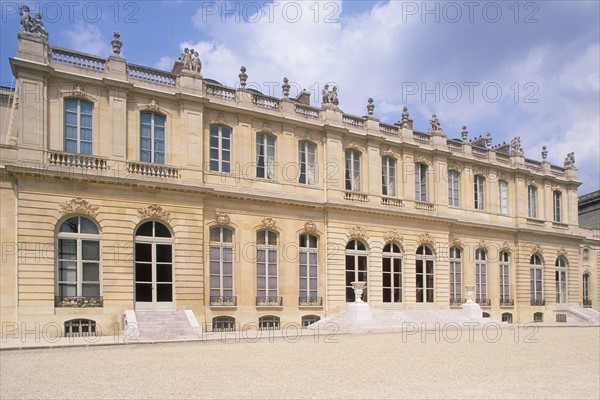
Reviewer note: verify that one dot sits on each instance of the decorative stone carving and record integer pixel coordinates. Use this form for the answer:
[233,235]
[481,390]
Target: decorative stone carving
[423,160]
[221,118]
[561,252]
[357,232]
[310,227]
[536,249]
[505,246]
[190,61]
[482,245]
[354,146]
[515,147]
[370,106]
[435,128]
[266,127]
[544,153]
[116,43]
[488,140]
[390,153]
[330,98]
[78,92]
[286,88]
[32,25]
[406,121]
[154,211]
[570,161]
[268,223]
[457,242]
[78,206]
[243,77]
[393,236]
[222,218]
[152,106]
[464,134]
[455,167]
[426,239]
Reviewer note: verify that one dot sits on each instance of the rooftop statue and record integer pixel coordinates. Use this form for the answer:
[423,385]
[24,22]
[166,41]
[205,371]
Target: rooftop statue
[330,98]
[435,128]
[32,25]
[570,160]
[515,147]
[189,61]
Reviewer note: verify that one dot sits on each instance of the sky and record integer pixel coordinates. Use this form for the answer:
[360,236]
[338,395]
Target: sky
[510,68]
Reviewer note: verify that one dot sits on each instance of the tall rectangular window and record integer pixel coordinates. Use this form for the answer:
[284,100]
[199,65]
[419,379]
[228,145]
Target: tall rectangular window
[220,149]
[308,162]
[479,192]
[266,264]
[535,280]
[556,199]
[453,189]
[388,176]
[352,170]
[455,276]
[504,278]
[481,276]
[532,201]
[221,264]
[152,138]
[392,273]
[420,182]
[503,197]
[78,126]
[265,156]
[308,268]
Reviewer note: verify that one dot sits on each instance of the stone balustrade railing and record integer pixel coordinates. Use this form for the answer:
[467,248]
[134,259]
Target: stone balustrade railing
[221,92]
[77,160]
[532,164]
[77,59]
[392,202]
[265,101]
[150,75]
[479,152]
[353,121]
[424,206]
[421,137]
[557,171]
[454,146]
[391,130]
[356,197]
[154,170]
[307,111]
[502,158]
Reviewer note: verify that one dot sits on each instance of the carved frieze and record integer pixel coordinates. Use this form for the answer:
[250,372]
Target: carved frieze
[357,232]
[154,211]
[426,239]
[222,218]
[78,206]
[393,236]
[268,223]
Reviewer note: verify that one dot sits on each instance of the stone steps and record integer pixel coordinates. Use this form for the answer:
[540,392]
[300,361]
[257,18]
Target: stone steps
[157,325]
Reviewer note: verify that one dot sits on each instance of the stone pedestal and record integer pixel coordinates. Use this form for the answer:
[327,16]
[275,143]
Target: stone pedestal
[471,309]
[359,310]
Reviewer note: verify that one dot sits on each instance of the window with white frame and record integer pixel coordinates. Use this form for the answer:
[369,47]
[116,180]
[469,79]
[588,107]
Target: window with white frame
[265,156]
[561,280]
[308,162]
[535,280]
[356,267]
[481,276]
[420,182]
[424,275]
[352,170]
[392,273]
[220,149]
[557,200]
[268,322]
[453,192]
[503,197]
[267,249]
[78,262]
[152,138]
[479,192]
[388,176]
[223,323]
[221,265]
[504,278]
[532,201]
[587,301]
[78,126]
[455,275]
[309,261]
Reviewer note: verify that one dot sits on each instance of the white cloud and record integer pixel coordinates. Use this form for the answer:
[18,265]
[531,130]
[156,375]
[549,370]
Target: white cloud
[87,38]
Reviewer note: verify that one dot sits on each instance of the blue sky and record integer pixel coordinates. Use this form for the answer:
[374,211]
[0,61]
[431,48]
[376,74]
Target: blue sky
[528,69]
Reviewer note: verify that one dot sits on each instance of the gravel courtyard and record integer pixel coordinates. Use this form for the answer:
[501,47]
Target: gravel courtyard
[551,363]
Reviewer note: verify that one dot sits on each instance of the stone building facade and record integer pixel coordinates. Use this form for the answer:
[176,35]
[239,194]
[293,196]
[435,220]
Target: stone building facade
[128,188]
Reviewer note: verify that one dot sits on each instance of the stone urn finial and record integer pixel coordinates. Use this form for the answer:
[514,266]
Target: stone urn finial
[116,43]
[465,133]
[470,289]
[359,287]
[286,88]
[243,77]
[370,106]
[544,153]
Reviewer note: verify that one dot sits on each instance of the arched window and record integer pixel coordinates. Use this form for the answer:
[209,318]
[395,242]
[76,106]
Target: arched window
[561,280]
[485,315]
[152,138]
[265,156]
[220,149]
[309,274]
[507,317]
[421,182]
[503,197]
[557,200]
[535,280]
[267,250]
[538,317]
[455,276]
[268,322]
[587,301]
[352,170]
[504,278]
[356,267]
[481,277]
[223,323]
[80,328]
[78,126]
[221,267]
[308,320]
[388,176]
[453,189]
[153,266]
[307,155]
[78,264]
[392,273]
[479,192]
[532,201]
[424,275]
